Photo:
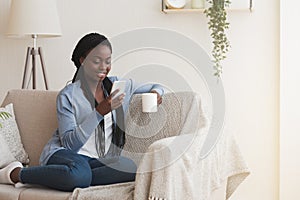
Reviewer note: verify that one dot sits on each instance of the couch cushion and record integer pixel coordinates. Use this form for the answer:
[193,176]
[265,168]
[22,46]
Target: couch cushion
[40,193]
[35,113]
[9,192]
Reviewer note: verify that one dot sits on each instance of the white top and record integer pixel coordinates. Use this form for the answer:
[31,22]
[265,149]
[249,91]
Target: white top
[89,148]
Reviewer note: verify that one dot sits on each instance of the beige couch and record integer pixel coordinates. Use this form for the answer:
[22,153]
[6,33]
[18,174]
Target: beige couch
[36,118]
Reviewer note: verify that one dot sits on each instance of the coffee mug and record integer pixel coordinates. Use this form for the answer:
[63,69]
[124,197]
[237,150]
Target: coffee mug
[149,102]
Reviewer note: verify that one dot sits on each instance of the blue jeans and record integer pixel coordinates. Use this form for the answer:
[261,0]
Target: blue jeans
[67,170]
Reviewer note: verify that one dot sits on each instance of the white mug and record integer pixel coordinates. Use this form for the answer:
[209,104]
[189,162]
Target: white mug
[149,102]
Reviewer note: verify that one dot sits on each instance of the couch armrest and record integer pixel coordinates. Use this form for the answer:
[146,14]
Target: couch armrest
[180,113]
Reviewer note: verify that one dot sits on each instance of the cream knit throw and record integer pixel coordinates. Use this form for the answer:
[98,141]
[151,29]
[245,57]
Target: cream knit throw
[172,168]
[122,191]
[188,177]
[166,145]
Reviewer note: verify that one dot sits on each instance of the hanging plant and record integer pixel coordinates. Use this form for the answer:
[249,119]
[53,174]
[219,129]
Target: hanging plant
[217,24]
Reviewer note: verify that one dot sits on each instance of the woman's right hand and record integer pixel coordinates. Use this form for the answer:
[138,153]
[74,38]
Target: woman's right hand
[112,102]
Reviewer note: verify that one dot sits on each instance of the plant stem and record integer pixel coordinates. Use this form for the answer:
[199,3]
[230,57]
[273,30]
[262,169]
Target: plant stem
[218,24]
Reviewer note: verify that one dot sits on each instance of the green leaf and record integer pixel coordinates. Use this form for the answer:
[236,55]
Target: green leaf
[5,115]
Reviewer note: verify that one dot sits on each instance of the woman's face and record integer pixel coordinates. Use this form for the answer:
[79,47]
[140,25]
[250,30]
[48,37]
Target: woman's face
[97,63]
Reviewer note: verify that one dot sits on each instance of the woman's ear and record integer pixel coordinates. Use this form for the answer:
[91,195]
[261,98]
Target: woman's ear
[81,59]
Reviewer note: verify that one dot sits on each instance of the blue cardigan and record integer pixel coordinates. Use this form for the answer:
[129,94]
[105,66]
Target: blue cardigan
[77,120]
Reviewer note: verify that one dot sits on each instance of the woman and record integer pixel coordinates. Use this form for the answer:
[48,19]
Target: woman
[85,149]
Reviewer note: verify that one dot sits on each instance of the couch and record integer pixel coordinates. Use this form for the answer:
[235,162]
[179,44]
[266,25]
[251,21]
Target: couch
[147,133]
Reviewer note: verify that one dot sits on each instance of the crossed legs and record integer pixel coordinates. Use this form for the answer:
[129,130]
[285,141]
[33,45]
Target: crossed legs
[67,170]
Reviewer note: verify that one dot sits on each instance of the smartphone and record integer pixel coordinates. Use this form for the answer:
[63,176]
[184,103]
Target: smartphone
[121,85]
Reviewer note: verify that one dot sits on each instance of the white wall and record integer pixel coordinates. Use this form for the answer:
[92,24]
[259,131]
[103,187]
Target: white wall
[289,101]
[250,73]
[252,88]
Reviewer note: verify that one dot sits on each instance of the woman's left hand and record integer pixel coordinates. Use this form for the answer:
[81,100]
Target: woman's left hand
[159,98]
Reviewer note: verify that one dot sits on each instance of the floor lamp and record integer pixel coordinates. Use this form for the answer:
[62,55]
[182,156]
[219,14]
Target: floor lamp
[35,19]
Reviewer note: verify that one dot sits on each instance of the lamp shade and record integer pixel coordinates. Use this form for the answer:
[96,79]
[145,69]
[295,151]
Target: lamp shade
[33,17]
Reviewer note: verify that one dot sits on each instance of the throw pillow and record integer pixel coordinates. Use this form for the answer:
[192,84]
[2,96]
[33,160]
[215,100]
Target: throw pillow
[6,155]
[10,134]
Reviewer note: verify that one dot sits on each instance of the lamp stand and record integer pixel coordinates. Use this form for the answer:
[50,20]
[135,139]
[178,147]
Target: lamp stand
[33,52]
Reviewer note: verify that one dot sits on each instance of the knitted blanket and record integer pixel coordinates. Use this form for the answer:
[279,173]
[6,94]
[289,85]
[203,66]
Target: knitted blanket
[163,175]
[122,191]
[166,146]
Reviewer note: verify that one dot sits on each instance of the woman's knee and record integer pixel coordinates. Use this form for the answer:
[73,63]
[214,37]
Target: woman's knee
[74,170]
[76,179]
